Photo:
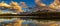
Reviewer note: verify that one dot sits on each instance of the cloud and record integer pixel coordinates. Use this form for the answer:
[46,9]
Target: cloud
[23,4]
[16,6]
[12,6]
[55,6]
[39,3]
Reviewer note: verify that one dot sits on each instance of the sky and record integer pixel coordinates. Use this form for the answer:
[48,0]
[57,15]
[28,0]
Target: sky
[47,2]
[29,3]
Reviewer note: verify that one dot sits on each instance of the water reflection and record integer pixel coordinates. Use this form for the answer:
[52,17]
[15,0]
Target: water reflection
[28,22]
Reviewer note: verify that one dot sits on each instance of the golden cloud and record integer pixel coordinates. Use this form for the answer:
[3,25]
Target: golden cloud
[54,5]
[12,5]
[39,3]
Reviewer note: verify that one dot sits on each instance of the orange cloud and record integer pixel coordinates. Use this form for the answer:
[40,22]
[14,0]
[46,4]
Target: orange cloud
[55,4]
[15,5]
[12,5]
[3,4]
[39,3]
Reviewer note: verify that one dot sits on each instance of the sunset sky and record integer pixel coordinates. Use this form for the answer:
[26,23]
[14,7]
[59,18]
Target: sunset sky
[29,3]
